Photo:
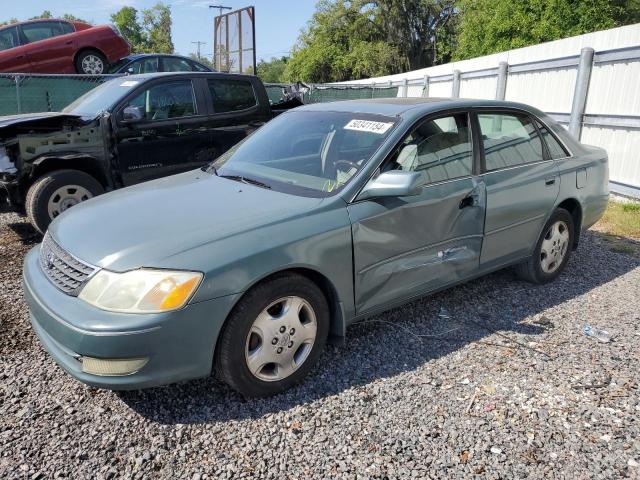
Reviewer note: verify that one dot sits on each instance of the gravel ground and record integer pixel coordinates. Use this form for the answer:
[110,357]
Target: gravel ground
[503,384]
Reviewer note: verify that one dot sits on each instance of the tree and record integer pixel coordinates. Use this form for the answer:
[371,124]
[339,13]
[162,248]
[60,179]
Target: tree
[350,39]
[11,21]
[72,18]
[203,60]
[156,24]
[344,40]
[149,34]
[126,19]
[45,14]
[272,71]
[489,26]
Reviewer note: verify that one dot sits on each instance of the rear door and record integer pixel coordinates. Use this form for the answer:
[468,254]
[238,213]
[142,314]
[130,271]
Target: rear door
[522,184]
[13,56]
[405,247]
[171,138]
[237,110]
[50,48]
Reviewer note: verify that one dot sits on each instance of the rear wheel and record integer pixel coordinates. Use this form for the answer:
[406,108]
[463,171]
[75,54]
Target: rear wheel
[273,337]
[56,192]
[91,62]
[552,250]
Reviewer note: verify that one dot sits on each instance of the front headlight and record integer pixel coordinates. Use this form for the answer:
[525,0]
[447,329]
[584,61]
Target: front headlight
[140,291]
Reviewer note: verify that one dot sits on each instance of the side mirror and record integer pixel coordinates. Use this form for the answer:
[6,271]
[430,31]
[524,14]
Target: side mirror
[395,183]
[132,114]
[130,71]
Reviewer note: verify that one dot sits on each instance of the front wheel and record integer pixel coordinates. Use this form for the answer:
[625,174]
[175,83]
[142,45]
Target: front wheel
[273,337]
[57,191]
[552,250]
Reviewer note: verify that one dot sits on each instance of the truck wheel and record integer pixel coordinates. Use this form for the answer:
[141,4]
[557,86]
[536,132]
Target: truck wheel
[273,337]
[91,62]
[57,191]
[552,250]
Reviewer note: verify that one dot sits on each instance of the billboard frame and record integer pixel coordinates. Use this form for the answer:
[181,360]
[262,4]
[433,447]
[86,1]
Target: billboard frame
[218,21]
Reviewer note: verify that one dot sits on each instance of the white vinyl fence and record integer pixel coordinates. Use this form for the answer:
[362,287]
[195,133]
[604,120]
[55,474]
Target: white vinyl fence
[589,83]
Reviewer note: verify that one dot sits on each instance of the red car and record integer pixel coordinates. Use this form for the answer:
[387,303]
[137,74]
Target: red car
[60,46]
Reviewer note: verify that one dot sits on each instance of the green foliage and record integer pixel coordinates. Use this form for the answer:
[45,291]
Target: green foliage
[156,24]
[11,21]
[351,39]
[203,60]
[489,26]
[126,19]
[272,71]
[45,14]
[149,32]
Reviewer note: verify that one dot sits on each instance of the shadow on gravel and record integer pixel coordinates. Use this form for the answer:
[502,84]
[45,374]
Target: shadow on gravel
[25,233]
[384,346]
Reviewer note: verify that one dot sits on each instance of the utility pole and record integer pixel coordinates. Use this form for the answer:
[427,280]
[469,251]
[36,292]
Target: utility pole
[220,8]
[199,43]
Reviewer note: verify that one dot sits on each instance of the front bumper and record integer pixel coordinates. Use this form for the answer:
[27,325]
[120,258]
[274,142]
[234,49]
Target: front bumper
[179,344]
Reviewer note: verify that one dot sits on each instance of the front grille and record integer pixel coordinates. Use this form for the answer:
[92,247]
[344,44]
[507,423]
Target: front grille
[64,270]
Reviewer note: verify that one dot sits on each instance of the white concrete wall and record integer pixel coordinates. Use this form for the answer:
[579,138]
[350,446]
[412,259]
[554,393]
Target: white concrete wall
[614,89]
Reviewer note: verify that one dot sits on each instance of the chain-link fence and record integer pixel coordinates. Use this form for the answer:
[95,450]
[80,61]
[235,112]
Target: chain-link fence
[20,93]
[28,93]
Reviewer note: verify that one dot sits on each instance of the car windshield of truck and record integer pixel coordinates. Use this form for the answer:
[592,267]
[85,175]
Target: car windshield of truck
[306,153]
[101,98]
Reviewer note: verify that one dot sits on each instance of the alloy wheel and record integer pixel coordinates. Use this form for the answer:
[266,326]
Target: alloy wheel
[92,65]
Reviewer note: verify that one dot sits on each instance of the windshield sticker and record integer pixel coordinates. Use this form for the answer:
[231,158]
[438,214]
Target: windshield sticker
[368,126]
[129,83]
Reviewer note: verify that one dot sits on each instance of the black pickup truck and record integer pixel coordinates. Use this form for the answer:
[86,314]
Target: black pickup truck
[125,131]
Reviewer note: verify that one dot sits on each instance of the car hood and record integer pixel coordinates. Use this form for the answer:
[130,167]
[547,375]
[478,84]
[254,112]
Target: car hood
[10,120]
[142,226]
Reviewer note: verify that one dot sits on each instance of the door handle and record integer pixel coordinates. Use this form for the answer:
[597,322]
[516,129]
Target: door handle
[549,181]
[70,42]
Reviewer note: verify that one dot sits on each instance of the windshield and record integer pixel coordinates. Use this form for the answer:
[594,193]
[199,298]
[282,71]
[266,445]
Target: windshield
[306,153]
[101,98]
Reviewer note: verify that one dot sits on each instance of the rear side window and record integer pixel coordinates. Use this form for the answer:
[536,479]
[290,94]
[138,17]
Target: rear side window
[67,27]
[556,150]
[231,95]
[35,32]
[509,140]
[8,38]
[172,64]
[144,65]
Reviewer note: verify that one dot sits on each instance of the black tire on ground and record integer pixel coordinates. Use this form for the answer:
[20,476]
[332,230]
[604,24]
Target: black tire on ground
[41,191]
[230,363]
[531,270]
[97,59]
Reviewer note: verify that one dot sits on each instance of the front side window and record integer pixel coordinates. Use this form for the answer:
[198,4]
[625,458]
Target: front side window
[172,64]
[306,153]
[509,139]
[439,149]
[556,150]
[9,38]
[165,101]
[231,95]
[35,32]
[67,27]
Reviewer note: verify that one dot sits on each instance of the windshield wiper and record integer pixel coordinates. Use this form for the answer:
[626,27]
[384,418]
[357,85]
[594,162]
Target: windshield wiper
[250,181]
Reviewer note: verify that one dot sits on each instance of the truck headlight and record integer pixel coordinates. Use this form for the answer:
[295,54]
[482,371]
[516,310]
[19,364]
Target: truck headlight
[141,291]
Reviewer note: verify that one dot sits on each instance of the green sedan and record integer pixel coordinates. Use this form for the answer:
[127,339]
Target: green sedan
[327,215]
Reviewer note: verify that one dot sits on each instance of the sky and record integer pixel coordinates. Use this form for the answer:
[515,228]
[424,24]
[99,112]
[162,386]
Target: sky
[278,22]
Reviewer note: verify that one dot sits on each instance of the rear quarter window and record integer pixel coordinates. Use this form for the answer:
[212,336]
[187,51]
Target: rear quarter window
[231,95]
[556,150]
[8,38]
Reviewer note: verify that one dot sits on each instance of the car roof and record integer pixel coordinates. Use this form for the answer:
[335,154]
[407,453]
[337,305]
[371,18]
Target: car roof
[38,20]
[400,106]
[143,77]
[136,56]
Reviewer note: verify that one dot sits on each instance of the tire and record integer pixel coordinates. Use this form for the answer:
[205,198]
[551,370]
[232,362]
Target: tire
[57,191]
[91,62]
[544,266]
[247,336]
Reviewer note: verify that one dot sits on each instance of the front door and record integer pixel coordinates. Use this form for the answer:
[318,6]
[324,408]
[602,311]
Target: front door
[171,137]
[13,57]
[405,247]
[522,186]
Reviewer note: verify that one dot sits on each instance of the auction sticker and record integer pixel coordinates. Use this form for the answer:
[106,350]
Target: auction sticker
[368,126]
[129,83]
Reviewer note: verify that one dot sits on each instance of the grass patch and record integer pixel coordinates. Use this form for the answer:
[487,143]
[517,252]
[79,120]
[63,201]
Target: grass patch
[620,228]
